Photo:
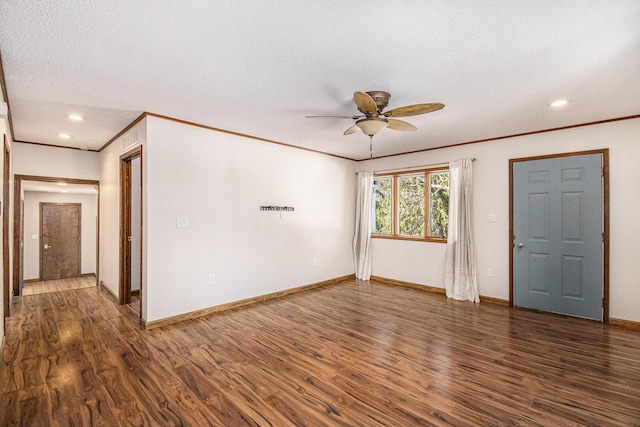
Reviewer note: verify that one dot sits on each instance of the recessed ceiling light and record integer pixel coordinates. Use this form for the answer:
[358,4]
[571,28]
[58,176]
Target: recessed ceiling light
[84,148]
[559,103]
[76,117]
[64,191]
[65,136]
[61,183]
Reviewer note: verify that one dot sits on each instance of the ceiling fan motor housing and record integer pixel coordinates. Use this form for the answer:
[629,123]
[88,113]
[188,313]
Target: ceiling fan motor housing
[381,98]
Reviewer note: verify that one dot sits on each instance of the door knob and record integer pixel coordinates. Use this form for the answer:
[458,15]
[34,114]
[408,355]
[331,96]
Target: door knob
[47,246]
[520,245]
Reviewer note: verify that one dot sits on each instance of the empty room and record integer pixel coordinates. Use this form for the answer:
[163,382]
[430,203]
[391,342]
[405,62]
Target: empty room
[320,214]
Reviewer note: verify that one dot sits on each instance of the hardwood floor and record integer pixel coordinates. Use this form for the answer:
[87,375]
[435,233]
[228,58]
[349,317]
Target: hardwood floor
[351,354]
[135,303]
[33,288]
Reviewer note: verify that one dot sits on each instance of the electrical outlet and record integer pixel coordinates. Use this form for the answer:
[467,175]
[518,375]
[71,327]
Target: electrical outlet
[314,262]
[182,222]
[490,272]
[212,279]
[491,217]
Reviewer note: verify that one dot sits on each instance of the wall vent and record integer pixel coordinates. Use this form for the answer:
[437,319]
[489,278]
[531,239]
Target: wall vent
[131,138]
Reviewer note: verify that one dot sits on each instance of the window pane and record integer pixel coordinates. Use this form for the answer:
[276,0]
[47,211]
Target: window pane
[382,205]
[411,203]
[439,204]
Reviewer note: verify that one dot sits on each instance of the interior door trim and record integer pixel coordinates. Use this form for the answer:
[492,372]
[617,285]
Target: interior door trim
[6,190]
[605,213]
[17,223]
[125,227]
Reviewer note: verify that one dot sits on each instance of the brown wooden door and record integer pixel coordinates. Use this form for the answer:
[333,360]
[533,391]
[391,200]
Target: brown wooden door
[60,229]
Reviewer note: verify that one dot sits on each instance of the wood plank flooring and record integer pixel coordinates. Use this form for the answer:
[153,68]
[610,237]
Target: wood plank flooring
[33,288]
[351,354]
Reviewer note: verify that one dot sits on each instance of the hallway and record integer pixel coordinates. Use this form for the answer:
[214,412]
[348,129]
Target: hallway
[34,288]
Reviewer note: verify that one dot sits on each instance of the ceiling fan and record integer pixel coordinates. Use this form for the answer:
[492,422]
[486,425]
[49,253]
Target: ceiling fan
[373,118]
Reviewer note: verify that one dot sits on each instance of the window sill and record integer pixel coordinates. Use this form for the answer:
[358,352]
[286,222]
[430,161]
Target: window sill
[412,239]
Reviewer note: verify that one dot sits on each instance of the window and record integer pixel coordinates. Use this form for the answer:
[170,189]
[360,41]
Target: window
[411,205]
[383,205]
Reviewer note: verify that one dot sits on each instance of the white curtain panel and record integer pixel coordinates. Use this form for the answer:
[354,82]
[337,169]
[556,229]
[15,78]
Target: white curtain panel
[362,236]
[460,265]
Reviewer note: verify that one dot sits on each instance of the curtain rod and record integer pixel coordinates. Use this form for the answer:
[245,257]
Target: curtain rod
[410,168]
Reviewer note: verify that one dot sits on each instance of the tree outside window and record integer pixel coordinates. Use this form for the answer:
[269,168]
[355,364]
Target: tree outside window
[383,205]
[439,204]
[411,205]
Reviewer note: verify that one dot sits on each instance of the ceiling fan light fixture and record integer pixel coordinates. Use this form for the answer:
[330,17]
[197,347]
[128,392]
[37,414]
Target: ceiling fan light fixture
[372,126]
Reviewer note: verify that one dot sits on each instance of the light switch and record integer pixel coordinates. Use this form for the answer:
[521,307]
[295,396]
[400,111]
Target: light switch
[182,221]
[491,217]
[34,237]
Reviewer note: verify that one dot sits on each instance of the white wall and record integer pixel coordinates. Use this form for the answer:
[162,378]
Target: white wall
[219,181]
[31,249]
[423,262]
[31,159]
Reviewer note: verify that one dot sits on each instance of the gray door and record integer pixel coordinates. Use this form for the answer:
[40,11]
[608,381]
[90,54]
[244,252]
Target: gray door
[558,248]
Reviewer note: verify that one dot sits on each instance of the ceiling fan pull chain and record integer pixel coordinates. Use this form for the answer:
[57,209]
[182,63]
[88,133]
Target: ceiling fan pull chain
[371,146]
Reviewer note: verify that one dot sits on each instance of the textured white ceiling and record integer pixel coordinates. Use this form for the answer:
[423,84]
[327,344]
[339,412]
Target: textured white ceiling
[259,67]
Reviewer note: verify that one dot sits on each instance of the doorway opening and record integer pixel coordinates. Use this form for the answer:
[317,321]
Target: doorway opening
[44,186]
[131,230]
[559,233]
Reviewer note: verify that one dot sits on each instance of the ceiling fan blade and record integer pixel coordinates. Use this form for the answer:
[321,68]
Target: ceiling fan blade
[333,117]
[352,129]
[365,103]
[414,110]
[401,125]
